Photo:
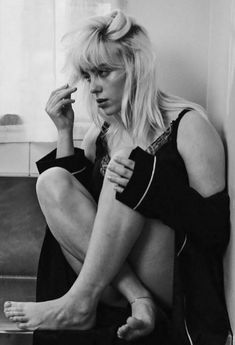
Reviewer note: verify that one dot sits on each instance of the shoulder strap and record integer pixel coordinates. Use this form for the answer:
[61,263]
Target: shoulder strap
[176,123]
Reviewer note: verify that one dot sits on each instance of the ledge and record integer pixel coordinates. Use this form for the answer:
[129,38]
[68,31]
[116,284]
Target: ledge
[37,133]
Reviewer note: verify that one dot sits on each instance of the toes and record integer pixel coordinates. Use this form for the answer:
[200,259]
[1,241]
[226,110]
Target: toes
[133,329]
[126,331]
[122,331]
[135,323]
[11,304]
[18,319]
[13,307]
[22,326]
[13,312]
[7,304]
[26,326]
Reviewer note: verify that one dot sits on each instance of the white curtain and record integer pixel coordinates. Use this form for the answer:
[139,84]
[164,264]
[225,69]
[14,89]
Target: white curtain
[31,60]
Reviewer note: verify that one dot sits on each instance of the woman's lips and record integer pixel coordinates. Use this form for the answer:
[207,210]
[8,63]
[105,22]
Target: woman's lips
[102,102]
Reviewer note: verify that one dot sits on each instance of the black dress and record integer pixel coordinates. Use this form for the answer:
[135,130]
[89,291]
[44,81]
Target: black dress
[159,188]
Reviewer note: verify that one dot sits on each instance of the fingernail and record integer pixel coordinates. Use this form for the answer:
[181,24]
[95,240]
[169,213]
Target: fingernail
[7,304]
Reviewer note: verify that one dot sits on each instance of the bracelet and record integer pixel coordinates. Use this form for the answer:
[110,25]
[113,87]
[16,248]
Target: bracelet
[142,297]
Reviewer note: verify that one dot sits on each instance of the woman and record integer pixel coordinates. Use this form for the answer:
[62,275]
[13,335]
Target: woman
[146,193]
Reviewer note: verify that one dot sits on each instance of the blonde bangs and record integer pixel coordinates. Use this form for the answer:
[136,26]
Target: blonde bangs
[96,52]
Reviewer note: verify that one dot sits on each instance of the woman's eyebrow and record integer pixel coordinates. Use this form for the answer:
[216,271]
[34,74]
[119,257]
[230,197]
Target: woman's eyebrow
[103,65]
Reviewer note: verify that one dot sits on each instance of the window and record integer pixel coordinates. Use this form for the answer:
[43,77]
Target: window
[31,60]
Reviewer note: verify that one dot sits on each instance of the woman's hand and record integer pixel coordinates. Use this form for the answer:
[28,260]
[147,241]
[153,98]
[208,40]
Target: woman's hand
[119,171]
[59,107]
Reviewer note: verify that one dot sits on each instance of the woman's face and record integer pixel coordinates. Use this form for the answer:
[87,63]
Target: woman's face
[107,86]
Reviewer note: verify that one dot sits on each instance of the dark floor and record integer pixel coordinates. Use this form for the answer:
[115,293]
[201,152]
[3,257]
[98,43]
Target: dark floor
[15,338]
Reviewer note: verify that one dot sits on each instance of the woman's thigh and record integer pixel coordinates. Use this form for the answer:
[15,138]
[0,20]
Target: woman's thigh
[69,209]
[152,258]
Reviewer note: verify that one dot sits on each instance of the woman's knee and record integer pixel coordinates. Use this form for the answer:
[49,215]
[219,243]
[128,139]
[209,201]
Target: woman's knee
[53,184]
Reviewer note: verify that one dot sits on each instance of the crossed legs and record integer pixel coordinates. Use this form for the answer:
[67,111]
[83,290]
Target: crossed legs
[97,234]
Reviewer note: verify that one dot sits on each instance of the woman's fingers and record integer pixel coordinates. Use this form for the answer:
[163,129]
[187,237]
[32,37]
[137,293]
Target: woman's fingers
[119,171]
[60,88]
[55,92]
[118,188]
[59,99]
[63,103]
[117,180]
[126,162]
[122,167]
[63,93]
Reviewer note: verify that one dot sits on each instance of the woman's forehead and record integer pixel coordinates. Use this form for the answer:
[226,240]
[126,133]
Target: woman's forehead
[100,55]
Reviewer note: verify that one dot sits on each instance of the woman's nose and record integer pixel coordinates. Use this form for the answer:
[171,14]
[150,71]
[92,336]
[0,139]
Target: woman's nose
[95,86]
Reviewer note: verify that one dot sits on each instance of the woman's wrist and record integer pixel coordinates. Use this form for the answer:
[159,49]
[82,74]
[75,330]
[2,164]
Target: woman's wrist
[65,132]
[65,146]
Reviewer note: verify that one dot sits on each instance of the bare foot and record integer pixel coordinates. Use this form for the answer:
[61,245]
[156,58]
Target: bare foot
[61,313]
[141,322]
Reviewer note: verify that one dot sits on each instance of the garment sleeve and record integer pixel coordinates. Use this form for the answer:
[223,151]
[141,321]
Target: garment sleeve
[156,191]
[77,164]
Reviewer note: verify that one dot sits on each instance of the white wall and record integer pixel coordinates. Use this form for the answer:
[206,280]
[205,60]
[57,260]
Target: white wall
[180,32]
[221,61]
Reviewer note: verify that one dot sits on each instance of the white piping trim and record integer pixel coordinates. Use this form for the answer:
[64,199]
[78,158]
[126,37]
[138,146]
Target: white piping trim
[186,328]
[78,171]
[151,179]
[183,245]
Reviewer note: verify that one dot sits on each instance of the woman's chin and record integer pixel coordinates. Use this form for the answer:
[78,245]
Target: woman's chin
[107,116]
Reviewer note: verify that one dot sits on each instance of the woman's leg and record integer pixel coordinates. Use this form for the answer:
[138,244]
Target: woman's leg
[152,259]
[113,241]
[70,211]
[72,220]
[129,220]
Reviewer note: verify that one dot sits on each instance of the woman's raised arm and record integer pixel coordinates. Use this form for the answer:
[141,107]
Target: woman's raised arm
[59,108]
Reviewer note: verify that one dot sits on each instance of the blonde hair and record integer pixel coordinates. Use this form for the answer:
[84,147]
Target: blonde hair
[143,103]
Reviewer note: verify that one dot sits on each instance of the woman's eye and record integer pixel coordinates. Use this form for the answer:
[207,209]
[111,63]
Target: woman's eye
[103,73]
[86,77]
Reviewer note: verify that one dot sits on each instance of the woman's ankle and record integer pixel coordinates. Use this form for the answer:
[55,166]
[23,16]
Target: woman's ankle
[86,299]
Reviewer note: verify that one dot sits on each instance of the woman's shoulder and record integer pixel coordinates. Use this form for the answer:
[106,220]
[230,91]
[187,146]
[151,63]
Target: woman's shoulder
[202,150]
[196,130]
